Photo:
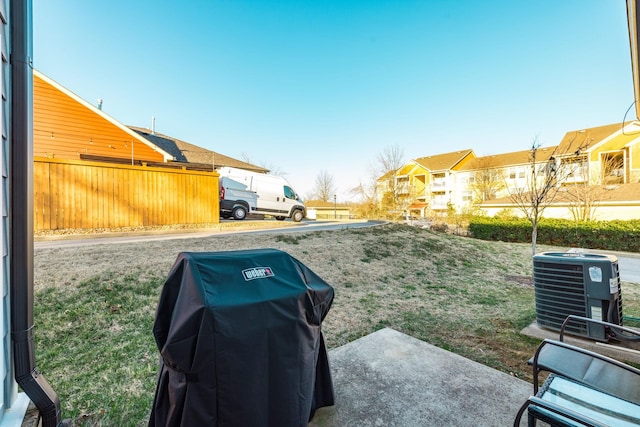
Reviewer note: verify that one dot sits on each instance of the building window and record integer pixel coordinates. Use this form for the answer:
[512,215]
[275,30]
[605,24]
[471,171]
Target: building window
[613,168]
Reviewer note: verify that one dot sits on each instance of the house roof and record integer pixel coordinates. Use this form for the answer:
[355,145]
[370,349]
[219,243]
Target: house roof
[323,205]
[507,159]
[189,153]
[388,175]
[616,193]
[584,139]
[417,205]
[404,170]
[607,193]
[446,161]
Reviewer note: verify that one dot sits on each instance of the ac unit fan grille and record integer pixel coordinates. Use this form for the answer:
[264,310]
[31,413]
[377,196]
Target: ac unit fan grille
[559,293]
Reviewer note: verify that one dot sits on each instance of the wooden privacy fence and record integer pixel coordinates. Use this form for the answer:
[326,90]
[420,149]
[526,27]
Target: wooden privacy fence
[76,194]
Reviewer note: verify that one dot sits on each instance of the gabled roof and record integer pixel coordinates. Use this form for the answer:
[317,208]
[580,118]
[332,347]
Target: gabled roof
[442,162]
[507,159]
[584,139]
[388,175]
[411,168]
[405,170]
[189,153]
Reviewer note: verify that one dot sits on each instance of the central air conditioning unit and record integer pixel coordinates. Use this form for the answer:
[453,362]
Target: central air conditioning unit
[580,284]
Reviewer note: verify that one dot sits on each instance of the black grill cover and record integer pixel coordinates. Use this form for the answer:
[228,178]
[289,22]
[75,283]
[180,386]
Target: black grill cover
[240,340]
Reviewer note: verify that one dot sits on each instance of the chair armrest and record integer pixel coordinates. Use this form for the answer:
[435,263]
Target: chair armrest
[619,332]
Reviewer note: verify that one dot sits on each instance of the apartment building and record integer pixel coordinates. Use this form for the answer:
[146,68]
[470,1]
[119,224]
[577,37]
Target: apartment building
[424,185]
[495,176]
[603,162]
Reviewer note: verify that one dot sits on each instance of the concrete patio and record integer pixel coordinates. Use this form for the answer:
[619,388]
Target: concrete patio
[391,379]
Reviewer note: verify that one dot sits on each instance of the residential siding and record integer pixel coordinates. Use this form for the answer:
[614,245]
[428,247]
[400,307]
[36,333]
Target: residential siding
[65,128]
[614,143]
[420,182]
[634,166]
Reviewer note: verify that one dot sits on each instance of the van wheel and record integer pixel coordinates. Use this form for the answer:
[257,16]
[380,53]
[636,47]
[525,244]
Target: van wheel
[297,216]
[280,218]
[239,212]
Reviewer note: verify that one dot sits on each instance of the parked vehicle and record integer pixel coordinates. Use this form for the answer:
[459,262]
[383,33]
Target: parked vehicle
[243,192]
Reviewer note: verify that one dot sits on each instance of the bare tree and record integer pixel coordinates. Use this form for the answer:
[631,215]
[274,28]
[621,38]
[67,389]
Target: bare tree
[589,190]
[388,162]
[367,194]
[391,158]
[273,169]
[324,188]
[612,168]
[367,206]
[488,181]
[546,174]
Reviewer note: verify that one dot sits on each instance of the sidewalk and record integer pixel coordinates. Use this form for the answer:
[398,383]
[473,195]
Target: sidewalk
[390,379]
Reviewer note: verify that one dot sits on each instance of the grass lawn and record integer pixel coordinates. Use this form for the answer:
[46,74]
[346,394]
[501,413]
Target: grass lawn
[95,305]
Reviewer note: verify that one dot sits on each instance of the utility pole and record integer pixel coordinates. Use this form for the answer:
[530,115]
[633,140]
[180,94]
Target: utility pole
[335,216]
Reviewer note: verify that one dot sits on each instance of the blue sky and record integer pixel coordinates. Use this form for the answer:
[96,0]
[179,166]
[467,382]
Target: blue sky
[310,86]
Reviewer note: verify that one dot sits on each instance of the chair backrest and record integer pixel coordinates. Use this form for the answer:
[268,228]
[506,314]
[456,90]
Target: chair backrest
[586,367]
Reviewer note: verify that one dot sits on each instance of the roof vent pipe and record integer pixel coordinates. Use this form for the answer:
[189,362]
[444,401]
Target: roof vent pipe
[153,125]
[100,104]
[21,218]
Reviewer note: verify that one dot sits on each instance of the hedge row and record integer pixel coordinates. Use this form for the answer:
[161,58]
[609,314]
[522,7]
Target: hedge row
[608,235]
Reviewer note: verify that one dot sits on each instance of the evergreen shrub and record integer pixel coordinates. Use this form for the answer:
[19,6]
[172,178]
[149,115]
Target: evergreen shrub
[607,235]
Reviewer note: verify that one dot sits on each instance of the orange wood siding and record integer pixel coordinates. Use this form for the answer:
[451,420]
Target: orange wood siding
[63,128]
[75,194]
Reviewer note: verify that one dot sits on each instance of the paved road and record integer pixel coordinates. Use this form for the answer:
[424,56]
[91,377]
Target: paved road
[629,267]
[173,235]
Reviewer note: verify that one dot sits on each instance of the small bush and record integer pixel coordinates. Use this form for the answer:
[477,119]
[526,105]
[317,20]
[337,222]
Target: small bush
[440,227]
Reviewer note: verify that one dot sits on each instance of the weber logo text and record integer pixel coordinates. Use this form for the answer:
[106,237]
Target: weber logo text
[257,273]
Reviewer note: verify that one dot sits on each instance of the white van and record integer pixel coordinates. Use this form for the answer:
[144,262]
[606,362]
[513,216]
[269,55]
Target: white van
[243,192]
